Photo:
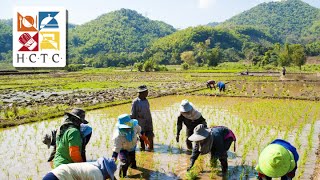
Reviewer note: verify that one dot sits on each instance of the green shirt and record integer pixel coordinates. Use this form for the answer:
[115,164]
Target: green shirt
[71,137]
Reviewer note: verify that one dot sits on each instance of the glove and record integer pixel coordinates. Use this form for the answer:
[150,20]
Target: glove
[146,140]
[177,138]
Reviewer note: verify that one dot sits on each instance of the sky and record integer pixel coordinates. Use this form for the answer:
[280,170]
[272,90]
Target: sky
[178,13]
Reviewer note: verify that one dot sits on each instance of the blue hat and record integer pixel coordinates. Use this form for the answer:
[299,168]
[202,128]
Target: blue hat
[124,121]
[106,166]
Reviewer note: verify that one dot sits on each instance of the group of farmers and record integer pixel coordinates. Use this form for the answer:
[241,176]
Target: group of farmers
[279,159]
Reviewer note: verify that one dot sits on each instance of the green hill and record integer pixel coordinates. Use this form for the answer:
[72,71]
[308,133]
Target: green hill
[167,50]
[5,39]
[290,21]
[123,31]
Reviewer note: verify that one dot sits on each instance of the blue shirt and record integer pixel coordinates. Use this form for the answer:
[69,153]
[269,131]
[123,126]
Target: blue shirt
[220,85]
[288,146]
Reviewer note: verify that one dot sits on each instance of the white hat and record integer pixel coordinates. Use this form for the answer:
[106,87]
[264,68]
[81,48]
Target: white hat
[186,106]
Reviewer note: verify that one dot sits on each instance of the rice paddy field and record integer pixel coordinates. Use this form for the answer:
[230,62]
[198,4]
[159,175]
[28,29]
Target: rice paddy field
[258,109]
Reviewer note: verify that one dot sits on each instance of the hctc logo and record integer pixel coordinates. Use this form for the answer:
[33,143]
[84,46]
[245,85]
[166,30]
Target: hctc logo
[39,37]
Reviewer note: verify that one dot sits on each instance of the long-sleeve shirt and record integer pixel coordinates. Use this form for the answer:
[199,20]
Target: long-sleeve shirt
[78,171]
[189,123]
[141,111]
[68,148]
[121,143]
[218,146]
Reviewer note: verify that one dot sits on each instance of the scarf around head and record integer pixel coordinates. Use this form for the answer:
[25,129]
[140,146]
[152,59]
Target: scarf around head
[193,115]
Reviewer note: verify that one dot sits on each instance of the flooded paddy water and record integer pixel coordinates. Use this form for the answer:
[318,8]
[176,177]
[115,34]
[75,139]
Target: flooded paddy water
[24,156]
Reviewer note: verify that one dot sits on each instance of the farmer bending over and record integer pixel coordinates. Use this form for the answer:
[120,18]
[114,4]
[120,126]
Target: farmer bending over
[221,85]
[125,142]
[190,117]
[210,84]
[278,159]
[102,169]
[50,140]
[216,140]
[69,140]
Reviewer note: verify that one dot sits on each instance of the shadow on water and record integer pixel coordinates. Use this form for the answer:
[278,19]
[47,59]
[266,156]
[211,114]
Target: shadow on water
[234,173]
[150,174]
[167,149]
[244,171]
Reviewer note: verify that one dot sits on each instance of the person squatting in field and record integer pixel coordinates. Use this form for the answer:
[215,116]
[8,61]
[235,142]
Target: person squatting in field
[141,111]
[190,117]
[278,159]
[216,140]
[125,142]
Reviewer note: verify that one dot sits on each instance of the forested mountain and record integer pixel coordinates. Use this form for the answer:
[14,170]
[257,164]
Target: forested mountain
[5,38]
[122,31]
[202,40]
[291,21]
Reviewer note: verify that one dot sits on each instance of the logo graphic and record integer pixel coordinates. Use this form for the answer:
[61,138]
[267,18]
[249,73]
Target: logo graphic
[50,40]
[39,37]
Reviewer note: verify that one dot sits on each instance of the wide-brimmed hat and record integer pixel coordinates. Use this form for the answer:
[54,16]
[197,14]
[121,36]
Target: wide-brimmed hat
[186,106]
[124,121]
[107,166]
[111,167]
[47,139]
[275,161]
[78,113]
[199,133]
[142,88]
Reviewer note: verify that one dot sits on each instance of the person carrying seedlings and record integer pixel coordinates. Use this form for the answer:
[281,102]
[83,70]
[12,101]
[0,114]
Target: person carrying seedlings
[211,84]
[50,140]
[101,169]
[125,142]
[216,140]
[278,159]
[221,85]
[141,111]
[190,117]
[69,141]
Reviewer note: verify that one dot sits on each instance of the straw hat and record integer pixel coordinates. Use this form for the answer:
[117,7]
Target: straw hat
[275,161]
